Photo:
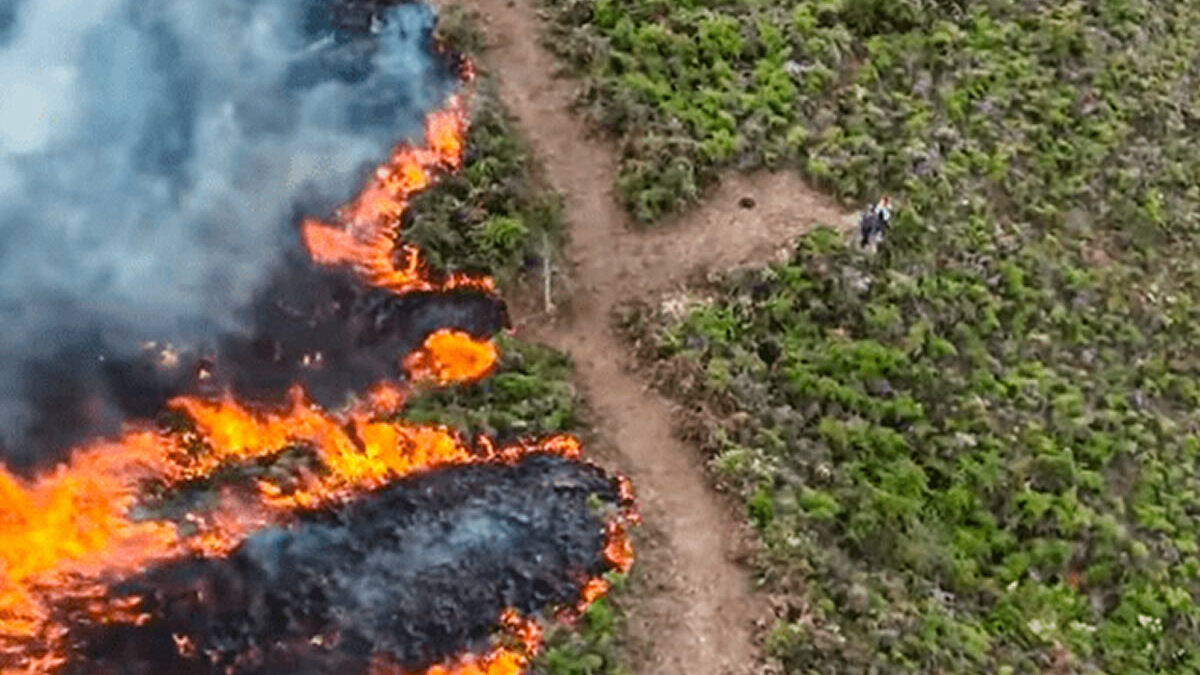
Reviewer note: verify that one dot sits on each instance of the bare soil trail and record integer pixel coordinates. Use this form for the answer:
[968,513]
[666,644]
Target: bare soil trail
[700,609]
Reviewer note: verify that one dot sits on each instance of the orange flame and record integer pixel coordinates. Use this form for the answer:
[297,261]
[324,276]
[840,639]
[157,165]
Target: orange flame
[593,590]
[524,636]
[502,660]
[618,550]
[450,356]
[71,524]
[498,661]
[365,236]
[66,532]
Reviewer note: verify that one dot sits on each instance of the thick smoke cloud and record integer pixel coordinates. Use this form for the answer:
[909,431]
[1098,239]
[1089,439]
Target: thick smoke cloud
[8,19]
[154,157]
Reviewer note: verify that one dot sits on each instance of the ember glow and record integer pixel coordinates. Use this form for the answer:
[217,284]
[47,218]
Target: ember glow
[68,533]
[438,558]
[69,536]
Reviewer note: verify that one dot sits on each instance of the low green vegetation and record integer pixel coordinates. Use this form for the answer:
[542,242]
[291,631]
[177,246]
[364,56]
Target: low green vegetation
[977,450]
[529,394]
[587,647]
[689,87]
[492,215]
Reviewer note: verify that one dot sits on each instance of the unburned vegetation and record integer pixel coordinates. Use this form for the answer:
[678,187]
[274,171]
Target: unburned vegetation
[492,215]
[531,394]
[976,450]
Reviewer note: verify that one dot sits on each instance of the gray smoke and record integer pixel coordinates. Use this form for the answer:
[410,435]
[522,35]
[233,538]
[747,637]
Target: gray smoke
[154,157]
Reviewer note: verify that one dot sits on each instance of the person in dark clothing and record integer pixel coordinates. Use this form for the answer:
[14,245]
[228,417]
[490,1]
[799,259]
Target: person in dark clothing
[875,220]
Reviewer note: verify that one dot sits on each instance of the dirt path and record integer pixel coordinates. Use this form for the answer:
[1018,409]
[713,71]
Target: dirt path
[701,612]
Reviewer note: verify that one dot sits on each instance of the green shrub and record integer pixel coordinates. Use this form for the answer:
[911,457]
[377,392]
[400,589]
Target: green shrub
[492,216]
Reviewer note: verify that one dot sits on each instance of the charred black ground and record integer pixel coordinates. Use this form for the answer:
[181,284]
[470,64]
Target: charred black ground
[420,570]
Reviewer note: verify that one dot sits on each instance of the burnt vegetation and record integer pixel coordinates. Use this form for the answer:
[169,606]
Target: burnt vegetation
[317,328]
[418,571]
[80,373]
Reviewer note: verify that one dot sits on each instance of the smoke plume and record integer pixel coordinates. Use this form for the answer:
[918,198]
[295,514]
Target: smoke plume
[154,157]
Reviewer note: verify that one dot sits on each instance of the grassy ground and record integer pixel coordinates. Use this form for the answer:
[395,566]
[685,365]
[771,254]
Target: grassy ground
[589,647]
[975,451]
[530,393]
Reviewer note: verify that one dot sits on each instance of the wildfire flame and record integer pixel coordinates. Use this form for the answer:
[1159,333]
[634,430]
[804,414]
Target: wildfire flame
[68,531]
[364,237]
[66,534]
[451,356]
[501,660]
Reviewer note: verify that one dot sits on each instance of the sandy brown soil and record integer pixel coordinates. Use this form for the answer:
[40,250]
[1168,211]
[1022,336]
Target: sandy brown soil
[698,608]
